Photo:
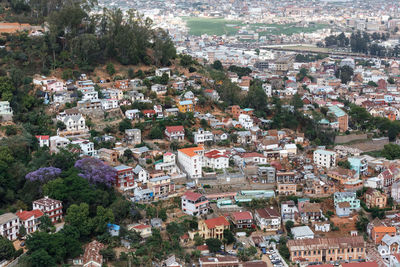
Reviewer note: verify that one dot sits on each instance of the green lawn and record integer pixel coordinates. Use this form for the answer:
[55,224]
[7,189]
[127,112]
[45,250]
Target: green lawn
[198,26]
[218,26]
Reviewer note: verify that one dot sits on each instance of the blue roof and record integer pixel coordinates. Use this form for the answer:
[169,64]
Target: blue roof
[122,167]
[113,226]
[337,111]
[186,102]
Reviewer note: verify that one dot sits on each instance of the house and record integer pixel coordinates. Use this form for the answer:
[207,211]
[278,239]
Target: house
[322,227]
[191,159]
[73,123]
[162,186]
[378,232]
[143,229]
[194,204]
[254,158]
[287,189]
[351,248]
[6,112]
[124,179]
[309,212]
[175,133]
[133,136]
[242,219]
[324,158]
[30,219]
[341,117]
[57,142]
[359,164]
[168,164]
[212,94]
[375,198]
[213,228]
[219,261]
[140,174]
[289,211]
[92,256]
[302,232]
[159,111]
[44,140]
[216,159]
[159,89]
[9,226]
[268,219]
[50,207]
[132,114]
[246,121]
[350,197]
[149,113]
[109,155]
[185,106]
[343,209]
[202,136]
[159,72]
[87,147]
[113,229]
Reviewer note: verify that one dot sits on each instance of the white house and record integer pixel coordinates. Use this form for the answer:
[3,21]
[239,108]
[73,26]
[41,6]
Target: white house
[86,146]
[194,204]
[267,89]
[325,158]
[90,95]
[6,112]
[9,225]
[107,104]
[302,232]
[202,136]
[132,114]
[246,121]
[57,142]
[161,71]
[30,219]
[268,219]
[191,159]
[140,174]
[216,159]
[175,133]
[44,140]
[159,88]
[168,165]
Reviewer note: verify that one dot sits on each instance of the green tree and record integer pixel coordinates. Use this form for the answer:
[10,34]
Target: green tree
[345,74]
[344,164]
[217,65]
[22,231]
[229,238]
[213,244]
[110,69]
[296,101]
[78,216]
[45,224]
[198,240]
[41,258]
[7,249]
[289,225]
[156,133]
[125,124]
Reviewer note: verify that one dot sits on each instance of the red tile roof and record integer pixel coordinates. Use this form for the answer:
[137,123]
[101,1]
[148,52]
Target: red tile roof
[172,129]
[24,215]
[242,215]
[92,252]
[252,155]
[43,137]
[141,226]
[189,195]
[361,264]
[212,223]
[215,154]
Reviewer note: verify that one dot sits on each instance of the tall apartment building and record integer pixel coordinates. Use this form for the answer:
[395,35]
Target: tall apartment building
[9,225]
[325,158]
[352,248]
[194,204]
[125,178]
[191,160]
[50,207]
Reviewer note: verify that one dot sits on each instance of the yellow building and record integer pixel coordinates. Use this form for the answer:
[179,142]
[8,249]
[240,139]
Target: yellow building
[213,228]
[185,106]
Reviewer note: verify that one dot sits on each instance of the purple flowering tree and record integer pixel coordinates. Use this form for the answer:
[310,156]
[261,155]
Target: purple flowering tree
[43,174]
[95,171]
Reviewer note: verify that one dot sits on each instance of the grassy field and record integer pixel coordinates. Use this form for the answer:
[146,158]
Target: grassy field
[287,29]
[198,26]
[218,26]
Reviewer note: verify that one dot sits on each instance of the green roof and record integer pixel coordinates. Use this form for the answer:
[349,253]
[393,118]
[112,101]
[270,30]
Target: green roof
[337,111]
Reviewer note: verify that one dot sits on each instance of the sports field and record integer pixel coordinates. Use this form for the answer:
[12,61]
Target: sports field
[219,26]
[198,26]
